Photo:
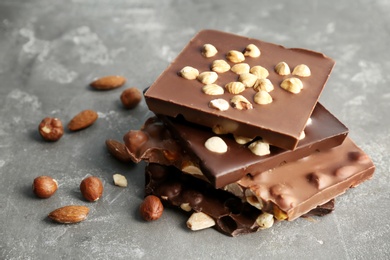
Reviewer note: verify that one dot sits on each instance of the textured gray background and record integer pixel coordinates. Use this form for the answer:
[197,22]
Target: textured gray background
[51,50]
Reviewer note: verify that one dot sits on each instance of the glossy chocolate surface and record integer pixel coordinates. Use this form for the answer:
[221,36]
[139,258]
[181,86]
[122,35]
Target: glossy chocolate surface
[279,123]
[232,216]
[298,187]
[324,132]
[154,143]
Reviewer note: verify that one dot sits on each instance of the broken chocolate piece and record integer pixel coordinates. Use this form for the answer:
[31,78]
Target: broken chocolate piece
[232,216]
[153,143]
[323,132]
[298,187]
[279,123]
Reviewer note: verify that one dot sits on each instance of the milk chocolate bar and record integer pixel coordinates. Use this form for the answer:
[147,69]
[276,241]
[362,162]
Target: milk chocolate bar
[154,143]
[279,123]
[291,190]
[232,216]
[323,132]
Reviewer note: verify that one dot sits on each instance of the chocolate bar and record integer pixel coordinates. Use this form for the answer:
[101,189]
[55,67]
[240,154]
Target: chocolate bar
[154,143]
[323,132]
[231,215]
[279,123]
[291,190]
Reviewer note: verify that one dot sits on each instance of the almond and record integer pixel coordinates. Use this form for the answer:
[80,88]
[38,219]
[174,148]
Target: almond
[108,82]
[91,188]
[118,150]
[69,214]
[82,120]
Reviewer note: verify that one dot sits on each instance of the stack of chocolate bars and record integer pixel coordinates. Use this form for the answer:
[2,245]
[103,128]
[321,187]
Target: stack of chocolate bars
[239,140]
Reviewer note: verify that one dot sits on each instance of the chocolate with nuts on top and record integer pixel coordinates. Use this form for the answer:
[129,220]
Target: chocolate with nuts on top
[298,187]
[232,216]
[154,143]
[279,123]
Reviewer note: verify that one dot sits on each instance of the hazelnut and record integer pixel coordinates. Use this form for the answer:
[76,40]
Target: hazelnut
[44,186]
[91,188]
[151,208]
[51,129]
[131,97]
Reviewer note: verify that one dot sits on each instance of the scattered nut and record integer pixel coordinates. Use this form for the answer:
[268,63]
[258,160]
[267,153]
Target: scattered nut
[247,79]
[216,144]
[51,129]
[209,50]
[293,85]
[259,71]
[252,51]
[208,77]
[186,207]
[301,70]
[69,214]
[82,120]
[120,180]
[213,89]
[235,87]
[259,148]
[199,221]
[242,139]
[131,97]
[240,68]
[220,104]
[91,188]
[282,69]
[44,186]
[118,150]
[265,220]
[235,56]
[189,72]
[220,66]
[263,84]
[108,82]
[241,103]
[151,208]
[262,98]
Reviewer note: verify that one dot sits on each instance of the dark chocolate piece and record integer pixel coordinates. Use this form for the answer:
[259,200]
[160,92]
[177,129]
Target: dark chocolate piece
[279,123]
[324,132]
[321,210]
[153,143]
[298,187]
[232,216]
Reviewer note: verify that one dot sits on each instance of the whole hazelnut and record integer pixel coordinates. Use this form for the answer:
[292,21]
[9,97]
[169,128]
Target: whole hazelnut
[131,97]
[44,186]
[51,129]
[91,188]
[151,208]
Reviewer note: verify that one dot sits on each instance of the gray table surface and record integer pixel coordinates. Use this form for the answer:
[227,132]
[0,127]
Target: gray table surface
[51,50]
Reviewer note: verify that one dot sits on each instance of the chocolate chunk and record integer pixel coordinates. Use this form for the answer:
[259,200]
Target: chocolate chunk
[232,216]
[279,123]
[157,145]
